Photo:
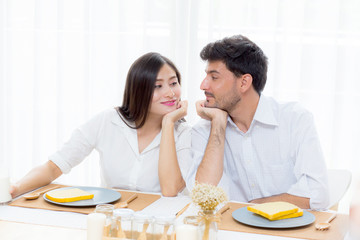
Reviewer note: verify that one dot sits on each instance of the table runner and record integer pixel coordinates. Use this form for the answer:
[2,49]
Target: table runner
[339,226]
[143,200]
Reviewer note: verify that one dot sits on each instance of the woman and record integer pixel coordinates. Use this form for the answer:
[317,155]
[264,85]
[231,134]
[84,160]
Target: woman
[143,145]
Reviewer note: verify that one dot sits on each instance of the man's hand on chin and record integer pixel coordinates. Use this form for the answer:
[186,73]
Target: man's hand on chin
[210,113]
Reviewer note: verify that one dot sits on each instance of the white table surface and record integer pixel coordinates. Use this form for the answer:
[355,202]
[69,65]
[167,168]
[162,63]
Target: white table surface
[68,220]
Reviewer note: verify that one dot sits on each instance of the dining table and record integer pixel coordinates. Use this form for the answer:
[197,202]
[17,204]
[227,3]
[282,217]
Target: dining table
[19,221]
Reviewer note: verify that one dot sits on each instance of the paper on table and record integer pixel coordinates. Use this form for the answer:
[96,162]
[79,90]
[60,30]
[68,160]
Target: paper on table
[166,206]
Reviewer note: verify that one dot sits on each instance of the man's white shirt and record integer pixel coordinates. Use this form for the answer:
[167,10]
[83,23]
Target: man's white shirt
[280,153]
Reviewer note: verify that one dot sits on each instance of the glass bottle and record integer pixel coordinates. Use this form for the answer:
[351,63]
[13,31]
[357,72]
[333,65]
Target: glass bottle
[122,219]
[142,227]
[5,196]
[164,227]
[208,226]
[108,210]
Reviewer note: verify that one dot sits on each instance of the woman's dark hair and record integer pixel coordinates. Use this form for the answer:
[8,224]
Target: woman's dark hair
[241,56]
[139,87]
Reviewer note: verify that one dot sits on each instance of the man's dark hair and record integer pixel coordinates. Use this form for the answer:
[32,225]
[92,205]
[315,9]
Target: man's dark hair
[240,56]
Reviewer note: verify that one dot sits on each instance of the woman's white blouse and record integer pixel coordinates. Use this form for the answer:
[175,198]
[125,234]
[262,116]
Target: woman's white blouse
[121,164]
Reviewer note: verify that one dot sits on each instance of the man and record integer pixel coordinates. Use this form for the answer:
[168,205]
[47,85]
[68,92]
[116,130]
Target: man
[257,149]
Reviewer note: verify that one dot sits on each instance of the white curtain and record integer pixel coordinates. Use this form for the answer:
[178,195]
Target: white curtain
[62,61]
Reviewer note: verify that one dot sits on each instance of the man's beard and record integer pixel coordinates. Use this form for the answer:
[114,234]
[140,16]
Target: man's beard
[227,104]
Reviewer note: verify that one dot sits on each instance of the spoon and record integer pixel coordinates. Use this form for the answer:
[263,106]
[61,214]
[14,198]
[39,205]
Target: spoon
[164,235]
[107,230]
[35,195]
[126,203]
[325,225]
[120,233]
[142,235]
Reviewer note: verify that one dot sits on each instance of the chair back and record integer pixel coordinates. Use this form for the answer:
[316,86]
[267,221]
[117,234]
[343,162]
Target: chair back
[339,182]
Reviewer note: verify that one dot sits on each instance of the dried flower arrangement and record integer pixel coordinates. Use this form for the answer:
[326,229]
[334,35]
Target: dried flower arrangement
[207,196]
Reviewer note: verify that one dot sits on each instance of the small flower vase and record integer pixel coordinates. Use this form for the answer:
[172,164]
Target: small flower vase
[208,225]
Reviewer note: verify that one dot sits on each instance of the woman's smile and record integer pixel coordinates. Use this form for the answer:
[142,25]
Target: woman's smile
[169,103]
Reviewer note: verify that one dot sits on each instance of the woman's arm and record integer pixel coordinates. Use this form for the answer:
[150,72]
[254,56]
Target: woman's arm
[171,180]
[37,177]
[80,145]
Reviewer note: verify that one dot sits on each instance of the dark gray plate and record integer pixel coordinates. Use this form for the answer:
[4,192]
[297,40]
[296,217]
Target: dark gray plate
[249,218]
[101,195]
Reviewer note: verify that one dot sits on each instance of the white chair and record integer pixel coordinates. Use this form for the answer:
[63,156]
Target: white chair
[339,182]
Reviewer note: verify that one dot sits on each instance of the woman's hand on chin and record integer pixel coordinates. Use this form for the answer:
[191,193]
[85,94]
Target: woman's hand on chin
[176,115]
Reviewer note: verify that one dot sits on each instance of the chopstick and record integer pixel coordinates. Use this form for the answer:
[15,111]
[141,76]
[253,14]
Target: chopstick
[182,210]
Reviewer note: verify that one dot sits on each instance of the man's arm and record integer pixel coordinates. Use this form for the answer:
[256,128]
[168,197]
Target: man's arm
[310,168]
[211,167]
[301,202]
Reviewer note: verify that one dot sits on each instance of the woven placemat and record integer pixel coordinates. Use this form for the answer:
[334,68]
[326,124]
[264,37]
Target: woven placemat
[339,226]
[143,200]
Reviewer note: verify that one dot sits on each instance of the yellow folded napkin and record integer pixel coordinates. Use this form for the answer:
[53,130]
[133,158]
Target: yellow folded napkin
[276,210]
[68,195]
